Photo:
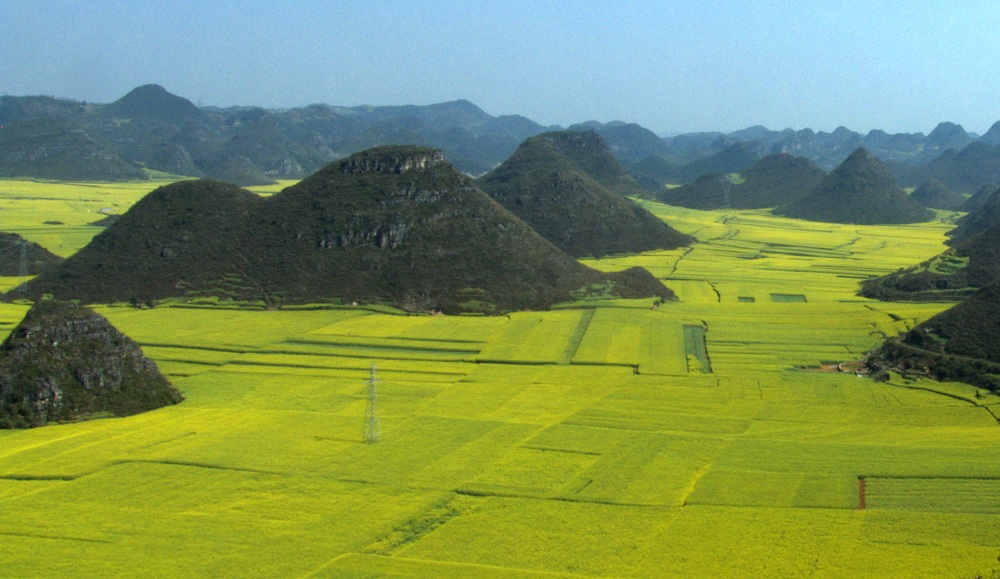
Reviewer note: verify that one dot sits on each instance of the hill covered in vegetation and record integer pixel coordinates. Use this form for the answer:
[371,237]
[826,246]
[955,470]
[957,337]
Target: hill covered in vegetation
[64,362]
[860,191]
[934,194]
[57,148]
[36,258]
[985,216]
[972,263]
[963,170]
[959,344]
[545,183]
[395,225]
[774,180]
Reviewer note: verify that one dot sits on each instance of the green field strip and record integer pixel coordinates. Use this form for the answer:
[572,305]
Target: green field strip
[696,350]
[229,349]
[533,338]
[369,352]
[721,487]
[315,362]
[356,564]
[676,423]
[387,342]
[937,494]
[577,337]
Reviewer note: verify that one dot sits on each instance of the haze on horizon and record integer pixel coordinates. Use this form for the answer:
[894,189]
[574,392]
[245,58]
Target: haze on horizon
[682,66]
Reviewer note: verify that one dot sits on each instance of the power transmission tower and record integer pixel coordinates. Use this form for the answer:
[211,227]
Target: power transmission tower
[373,429]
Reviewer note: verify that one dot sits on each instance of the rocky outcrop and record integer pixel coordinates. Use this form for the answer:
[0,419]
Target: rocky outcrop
[65,362]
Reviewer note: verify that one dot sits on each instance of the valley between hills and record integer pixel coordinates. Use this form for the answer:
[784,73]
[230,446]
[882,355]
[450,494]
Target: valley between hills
[589,440]
[734,377]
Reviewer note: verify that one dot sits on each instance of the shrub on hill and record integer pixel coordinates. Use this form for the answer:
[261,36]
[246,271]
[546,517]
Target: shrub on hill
[860,190]
[590,153]
[710,191]
[64,362]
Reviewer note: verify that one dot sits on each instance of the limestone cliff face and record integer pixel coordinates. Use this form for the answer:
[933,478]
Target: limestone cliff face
[65,362]
[394,160]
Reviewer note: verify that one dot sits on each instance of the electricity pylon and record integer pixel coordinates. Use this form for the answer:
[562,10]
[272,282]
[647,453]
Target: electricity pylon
[373,429]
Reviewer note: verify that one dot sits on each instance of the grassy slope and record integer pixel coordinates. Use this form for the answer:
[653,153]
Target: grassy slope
[528,446]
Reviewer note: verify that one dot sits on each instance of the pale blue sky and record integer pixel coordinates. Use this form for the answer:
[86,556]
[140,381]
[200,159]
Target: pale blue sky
[672,66]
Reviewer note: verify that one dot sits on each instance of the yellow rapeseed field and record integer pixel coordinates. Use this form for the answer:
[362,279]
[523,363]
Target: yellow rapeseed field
[575,442]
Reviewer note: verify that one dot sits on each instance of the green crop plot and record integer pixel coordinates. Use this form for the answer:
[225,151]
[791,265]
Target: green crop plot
[591,440]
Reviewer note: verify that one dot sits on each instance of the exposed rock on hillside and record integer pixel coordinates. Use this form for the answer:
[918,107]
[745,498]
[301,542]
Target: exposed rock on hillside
[552,193]
[65,362]
[860,190]
[393,224]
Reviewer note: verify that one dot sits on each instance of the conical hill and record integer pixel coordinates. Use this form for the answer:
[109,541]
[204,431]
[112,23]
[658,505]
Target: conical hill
[549,191]
[591,154]
[65,362]
[395,225]
[978,199]
[180,238]
[934,194]
[861,191]
[776,179]
[978,221]
[36,258]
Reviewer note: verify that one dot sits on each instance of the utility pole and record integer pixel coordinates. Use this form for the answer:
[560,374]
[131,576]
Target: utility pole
[373,429]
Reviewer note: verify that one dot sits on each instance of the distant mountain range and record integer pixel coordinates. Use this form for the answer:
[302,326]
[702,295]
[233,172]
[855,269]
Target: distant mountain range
[43,136]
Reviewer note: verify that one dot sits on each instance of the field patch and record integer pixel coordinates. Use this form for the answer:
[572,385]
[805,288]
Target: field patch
[951,495]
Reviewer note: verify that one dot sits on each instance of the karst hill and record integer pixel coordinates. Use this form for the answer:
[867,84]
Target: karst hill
[545,183]
[983,217]
[64,362]
[959,344]
[591,154]
[59,148]
[15,252]
[776,179]
[395,225]
[859,191]
[934,194]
